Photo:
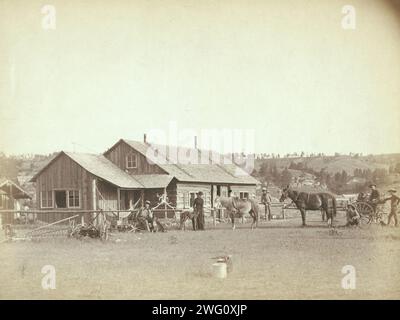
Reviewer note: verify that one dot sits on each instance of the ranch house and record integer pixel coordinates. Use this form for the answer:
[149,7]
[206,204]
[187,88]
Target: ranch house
[125,176]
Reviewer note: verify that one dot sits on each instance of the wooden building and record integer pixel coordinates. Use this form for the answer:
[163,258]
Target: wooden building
[11,197]
[126,175]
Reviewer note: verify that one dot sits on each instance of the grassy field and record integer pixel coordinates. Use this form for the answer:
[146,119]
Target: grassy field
[279,260]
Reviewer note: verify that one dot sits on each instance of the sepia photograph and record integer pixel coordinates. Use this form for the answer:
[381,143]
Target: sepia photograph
[195,150]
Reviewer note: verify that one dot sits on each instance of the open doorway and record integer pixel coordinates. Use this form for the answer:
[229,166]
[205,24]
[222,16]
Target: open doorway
[60,197]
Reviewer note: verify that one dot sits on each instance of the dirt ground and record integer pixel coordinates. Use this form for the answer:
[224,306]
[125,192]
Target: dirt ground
[279,260]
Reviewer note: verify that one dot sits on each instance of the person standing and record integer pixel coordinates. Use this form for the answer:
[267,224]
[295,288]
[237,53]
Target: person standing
[266,200]
[394,202]
[374,196]
[198,210]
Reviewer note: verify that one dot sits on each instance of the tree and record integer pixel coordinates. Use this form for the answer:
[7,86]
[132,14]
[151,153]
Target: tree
[286,177]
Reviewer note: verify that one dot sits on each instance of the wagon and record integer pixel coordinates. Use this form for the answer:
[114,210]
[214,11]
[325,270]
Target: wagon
[367,212]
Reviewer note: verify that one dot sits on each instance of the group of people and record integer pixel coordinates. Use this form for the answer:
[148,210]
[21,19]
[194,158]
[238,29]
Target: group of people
[374,198]
[145,216]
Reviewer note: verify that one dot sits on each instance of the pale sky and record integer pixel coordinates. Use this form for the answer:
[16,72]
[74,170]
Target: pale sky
[118,69]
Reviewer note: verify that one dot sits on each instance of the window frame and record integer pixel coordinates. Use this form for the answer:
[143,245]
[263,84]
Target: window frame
[128,160]
[73,198]
[47,199]
[243,193]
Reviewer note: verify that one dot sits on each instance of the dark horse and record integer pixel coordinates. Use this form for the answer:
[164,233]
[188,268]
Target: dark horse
[311,201]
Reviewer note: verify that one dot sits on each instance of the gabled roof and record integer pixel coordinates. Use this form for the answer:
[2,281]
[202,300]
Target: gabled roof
[17,191]
[99,166]
[215,170]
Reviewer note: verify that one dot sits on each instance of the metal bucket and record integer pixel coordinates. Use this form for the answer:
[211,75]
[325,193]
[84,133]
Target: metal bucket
[219,270]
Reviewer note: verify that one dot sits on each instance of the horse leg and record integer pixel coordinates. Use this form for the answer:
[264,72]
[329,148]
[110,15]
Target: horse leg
[330,219]
[324,214]
[255,220]
[233,221]
[303,216]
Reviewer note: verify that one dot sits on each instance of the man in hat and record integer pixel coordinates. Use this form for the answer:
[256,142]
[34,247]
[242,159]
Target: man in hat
[198,210]
[266,200]
[145,216]
[394,202]
[374,196]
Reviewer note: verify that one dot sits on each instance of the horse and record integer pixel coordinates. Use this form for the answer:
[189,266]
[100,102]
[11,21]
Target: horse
[236,205]
[311,201]
[187,214]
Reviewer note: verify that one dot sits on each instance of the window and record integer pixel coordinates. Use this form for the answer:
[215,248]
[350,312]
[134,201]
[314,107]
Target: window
[131,161]
[243,195]
[73,199]
[46,199]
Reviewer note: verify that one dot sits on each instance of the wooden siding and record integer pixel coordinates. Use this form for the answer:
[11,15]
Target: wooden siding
[240,188]
[118,154]
[183,190]
[65,174]
[107,196]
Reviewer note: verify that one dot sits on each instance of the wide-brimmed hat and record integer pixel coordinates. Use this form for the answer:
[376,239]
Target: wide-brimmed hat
[264,189]
[351,205]
[372,185]
[200,193]
[147,202]
[392,190]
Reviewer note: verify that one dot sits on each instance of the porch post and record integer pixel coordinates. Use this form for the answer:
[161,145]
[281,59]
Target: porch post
[165,203]
[94,201]
[118,199]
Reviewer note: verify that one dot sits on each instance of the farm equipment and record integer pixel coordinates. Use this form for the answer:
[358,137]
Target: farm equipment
[89,230]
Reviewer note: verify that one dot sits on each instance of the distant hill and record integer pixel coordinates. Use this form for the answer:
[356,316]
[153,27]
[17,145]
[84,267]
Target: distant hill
[333,164]
[339,174]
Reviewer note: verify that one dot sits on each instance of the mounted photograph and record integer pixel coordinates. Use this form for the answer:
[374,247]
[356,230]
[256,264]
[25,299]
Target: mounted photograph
[200,150]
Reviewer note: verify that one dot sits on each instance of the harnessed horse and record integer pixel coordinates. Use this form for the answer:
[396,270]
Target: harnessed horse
[311,201]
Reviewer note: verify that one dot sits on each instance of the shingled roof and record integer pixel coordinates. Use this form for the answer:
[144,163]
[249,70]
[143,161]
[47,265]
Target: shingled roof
[215,170]
[99,166]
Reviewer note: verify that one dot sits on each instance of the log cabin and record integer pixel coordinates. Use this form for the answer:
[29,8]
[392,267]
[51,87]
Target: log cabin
[130,172]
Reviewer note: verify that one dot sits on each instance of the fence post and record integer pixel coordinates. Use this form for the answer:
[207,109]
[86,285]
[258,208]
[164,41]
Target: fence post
[283,212]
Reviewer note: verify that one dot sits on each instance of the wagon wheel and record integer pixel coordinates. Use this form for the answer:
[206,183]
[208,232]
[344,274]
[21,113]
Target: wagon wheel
[366,212]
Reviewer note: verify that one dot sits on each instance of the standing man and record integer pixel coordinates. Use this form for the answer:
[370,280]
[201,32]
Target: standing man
[394,202]
[374,196]
[266,200]
[198,209]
